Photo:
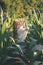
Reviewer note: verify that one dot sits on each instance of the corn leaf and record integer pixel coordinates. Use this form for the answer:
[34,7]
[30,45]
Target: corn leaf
[4,27]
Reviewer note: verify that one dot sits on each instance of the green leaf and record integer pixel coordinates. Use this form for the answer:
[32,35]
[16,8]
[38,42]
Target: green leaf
[4,27]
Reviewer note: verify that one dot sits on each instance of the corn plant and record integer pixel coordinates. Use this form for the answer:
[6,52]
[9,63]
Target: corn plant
[5,34]
[35,35]
[36,30]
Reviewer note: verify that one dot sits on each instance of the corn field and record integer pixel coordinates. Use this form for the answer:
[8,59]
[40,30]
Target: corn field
[28,53]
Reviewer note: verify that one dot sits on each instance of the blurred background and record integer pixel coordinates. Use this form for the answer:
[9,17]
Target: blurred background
[30,11]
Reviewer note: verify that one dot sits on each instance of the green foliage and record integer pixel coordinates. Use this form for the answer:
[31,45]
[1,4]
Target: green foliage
[4,27]
[4,35]
[36,28]
[35,35]
[17,9]
[22,7]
